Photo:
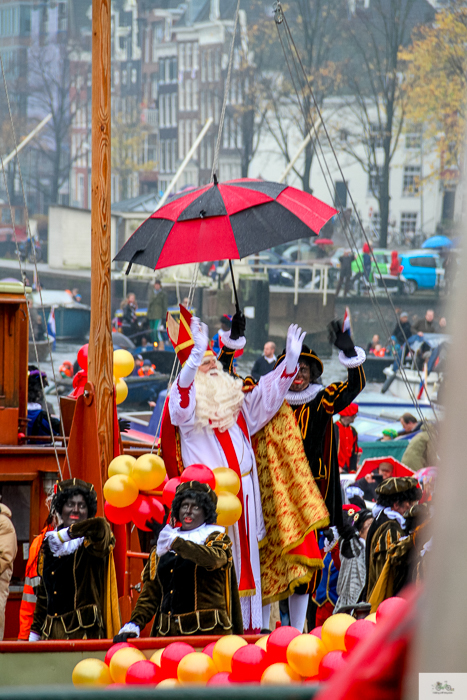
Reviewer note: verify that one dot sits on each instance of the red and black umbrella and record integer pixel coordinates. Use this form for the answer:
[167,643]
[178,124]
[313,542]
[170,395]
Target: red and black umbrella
[228,220]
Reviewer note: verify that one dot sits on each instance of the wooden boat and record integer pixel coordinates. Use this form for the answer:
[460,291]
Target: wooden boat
[71,317]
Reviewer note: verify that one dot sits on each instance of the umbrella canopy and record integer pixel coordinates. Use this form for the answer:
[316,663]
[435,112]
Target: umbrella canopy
[324,241]
[438,242]
[373,463]
[229,220]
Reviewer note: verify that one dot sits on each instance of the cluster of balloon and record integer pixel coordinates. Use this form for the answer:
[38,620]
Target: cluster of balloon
[283,657]
[131,492]
[124,364]
[222,480]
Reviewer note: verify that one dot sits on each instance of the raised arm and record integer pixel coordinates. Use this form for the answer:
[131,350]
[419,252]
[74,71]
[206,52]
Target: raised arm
[182,399]
[95,532]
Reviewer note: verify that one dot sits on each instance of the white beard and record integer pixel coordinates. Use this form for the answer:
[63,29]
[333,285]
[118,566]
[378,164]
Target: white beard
[219,400]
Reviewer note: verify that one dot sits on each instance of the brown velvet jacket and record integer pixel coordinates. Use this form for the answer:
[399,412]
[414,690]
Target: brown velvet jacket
[70,595]
[190,590]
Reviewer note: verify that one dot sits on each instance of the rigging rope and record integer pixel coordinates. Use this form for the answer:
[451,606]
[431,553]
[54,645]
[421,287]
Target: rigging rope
[23,275]
[281,19]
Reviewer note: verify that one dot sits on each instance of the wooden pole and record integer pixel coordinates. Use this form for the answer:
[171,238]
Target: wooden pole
[100,361]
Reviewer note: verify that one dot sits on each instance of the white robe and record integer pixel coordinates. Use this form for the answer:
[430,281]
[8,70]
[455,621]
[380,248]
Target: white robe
[202,447]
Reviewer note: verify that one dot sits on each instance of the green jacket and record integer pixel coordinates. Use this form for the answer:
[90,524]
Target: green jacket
[421,451]
[190,590]
[157,305]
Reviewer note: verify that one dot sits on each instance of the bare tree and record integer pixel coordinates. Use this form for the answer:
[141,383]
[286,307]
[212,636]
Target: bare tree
[374,78]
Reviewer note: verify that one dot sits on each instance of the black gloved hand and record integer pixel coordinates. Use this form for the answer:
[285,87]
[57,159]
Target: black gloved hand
[238,326]
[124,425]
[329,535]
[341,340]
[124,636]
[157,527]
[346,531]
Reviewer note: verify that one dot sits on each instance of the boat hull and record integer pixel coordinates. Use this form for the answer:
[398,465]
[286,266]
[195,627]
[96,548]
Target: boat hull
[42,348]
[375,366]
[399,388]
[71,322]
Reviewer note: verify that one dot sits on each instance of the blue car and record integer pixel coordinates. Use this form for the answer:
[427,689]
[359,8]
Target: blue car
[422,270]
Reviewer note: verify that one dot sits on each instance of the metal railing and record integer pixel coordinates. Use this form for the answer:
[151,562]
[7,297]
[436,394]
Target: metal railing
[319,283]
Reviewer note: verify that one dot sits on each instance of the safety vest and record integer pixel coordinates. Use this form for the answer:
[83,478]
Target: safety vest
[32,580]
[146,371]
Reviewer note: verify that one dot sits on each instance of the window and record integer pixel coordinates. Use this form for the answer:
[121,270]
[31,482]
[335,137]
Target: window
[167,70]
[203,67]
[181,96]
[173,70]
[188,103]
[161,70]
[209,62]
[169,115]
[216,109]
[174,153]
[173,99]
[374,179]
[408,223]
[411,181]
[194,86]
[187,135]
[181,56]
[422,262]
[134,75]
[162,111]
[181,139]
[62,17]
[413,142]
[195,56]
[376,136]
[163,159]
[124,77]
[154,86]
[189,56]
[203,106]
[80,189]
[217,65]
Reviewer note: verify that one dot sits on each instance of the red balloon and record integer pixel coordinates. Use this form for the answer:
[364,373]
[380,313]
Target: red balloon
[168,493]
[277,644]
[208,649]
[83,357]
[171,657]
[222,678]
[311,679]
[390,607]
[114,648]
[201,473]
[356,632]
[118,516]
[330,663]
[143,673]
[316,632]
[248,664]
[145,508]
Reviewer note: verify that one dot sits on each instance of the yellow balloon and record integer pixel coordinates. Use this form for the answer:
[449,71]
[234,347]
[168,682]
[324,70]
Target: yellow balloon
[262,642]
[156,657]
[148,472]
[91,672]
[121,465]
[224,649]
[124,363]
[196,668]
[168,683]
[279,674]
[334,629]
[229,508]
[121,391]
[120,491]
[371,618]
[121,662]
[304,654]
[226,480]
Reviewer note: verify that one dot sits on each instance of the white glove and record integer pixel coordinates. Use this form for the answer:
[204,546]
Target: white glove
[34,637]
[295,339]
[130,628]
[56,539]
[164,542]
[200,335]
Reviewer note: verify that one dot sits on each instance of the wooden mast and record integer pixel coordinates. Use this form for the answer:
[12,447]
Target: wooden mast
[100,360]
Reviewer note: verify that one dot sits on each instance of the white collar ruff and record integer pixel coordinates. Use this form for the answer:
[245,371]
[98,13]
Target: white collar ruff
[297,398]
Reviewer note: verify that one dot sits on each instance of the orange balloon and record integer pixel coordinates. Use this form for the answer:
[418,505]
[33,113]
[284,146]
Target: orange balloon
[196,668]
[224,649]
[121,465]
[120,491]
[91,672]
[148,472]
[168,683]
[156,657]
[226,480]
[334,629]
[371,618]
[121,662]
[279,674]
[229,508]
[304,654]
[262,642]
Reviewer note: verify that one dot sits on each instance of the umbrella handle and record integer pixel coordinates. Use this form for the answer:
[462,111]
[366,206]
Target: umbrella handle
[237,305]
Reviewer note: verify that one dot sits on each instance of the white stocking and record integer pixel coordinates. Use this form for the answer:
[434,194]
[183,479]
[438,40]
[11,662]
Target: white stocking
[298,605]
[266,616]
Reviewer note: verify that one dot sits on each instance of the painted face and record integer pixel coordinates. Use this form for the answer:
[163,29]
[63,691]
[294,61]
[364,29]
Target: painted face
[74,510]
[303,378]
[347,420]
[191,514]
[209,366]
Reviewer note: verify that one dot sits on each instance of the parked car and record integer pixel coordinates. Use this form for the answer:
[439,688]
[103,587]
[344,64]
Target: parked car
[422,270]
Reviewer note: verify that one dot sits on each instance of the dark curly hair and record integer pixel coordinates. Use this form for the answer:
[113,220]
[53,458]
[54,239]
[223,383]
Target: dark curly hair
[202,500]
[388,501]
[62,497]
